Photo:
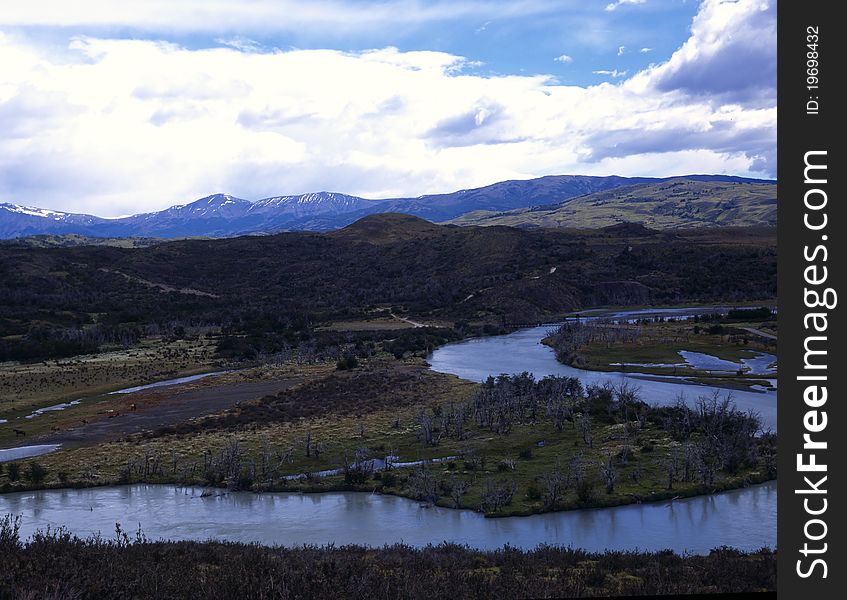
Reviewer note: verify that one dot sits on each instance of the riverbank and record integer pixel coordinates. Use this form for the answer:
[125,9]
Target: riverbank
[69,566]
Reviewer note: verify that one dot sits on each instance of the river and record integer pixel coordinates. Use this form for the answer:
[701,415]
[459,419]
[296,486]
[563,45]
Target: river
[744,519]
[478,358]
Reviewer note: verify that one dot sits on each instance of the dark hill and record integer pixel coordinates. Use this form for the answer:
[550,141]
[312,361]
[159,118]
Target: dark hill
[274,283]
[387,228]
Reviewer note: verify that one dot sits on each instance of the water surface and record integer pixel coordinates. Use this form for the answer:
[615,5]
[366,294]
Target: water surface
[167,382]
[27,451]
[744,519]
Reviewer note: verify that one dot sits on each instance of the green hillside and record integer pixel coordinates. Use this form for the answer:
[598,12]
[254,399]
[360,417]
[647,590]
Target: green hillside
[674,204]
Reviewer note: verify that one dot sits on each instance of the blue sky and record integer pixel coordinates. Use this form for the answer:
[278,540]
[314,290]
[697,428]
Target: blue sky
[118,106]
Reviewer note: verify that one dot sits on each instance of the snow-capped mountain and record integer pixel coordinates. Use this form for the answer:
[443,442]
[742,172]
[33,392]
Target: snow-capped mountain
[222,215]
[18,221]
[320,203]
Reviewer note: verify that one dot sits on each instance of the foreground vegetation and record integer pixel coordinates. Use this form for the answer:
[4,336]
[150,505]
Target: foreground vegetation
[56,564]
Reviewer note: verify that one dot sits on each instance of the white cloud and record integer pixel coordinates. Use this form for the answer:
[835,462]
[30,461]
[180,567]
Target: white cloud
[611,73]
[564,58]
[124,126]
[618,3]
[482,27]
[731,54]
[645,50]
[621,50]
[240,43]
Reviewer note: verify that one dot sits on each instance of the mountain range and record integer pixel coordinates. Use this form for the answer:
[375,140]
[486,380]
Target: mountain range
[222,215]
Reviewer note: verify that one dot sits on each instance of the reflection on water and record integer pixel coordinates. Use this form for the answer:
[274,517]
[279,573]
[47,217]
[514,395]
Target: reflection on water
[742,518]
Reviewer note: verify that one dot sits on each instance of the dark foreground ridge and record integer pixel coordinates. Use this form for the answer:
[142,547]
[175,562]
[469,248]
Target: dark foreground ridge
[58,565]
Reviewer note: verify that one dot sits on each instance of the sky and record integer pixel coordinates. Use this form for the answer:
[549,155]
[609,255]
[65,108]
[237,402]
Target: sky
[115,107]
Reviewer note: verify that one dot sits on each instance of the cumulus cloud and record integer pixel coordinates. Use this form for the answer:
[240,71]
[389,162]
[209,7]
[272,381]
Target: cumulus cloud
[564,58]
[621,50]
[122,126]
[730,54]
[618,3]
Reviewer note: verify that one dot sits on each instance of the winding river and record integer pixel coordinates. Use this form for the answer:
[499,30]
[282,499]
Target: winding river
[478,358]
[744,518]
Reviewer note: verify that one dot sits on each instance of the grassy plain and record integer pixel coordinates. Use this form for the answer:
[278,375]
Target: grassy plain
[25,387]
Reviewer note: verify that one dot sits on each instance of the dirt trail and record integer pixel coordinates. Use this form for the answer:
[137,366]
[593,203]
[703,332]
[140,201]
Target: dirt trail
[409,321]
[161,286]
[759,332]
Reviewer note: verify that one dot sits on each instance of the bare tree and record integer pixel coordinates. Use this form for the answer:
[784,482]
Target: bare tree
[585,429]
[554,486]
[429,432]
[496,495]
[307,442]
[458,488]
[609,472]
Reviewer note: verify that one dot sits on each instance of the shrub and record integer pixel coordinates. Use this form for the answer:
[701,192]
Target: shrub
[585,489]
[533,491]
[14,471]
[346,363]
[36,472]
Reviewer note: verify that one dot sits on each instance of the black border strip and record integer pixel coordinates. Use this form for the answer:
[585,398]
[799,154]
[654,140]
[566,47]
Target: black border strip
[810,120]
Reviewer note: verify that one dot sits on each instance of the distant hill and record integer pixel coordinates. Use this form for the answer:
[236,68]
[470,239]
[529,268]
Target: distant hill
[672,204]
[386,228]
[69,240]
[222,215]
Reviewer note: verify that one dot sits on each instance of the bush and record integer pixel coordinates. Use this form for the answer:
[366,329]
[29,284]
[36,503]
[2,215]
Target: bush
[585,489]
[14,471]
[36,472]
[533,491]
[346,363]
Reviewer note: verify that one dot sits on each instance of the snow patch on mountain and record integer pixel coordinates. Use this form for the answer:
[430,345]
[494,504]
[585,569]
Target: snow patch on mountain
[34,212]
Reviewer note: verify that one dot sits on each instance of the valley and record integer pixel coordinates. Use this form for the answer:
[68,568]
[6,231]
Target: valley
[371,362]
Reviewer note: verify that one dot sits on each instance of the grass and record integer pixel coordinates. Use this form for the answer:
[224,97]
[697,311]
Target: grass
[664,205]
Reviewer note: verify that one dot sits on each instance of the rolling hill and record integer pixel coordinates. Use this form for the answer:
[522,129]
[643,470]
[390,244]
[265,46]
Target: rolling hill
[672,204]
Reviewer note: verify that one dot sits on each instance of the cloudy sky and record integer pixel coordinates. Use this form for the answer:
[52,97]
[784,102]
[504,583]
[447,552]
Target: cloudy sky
[115,107]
